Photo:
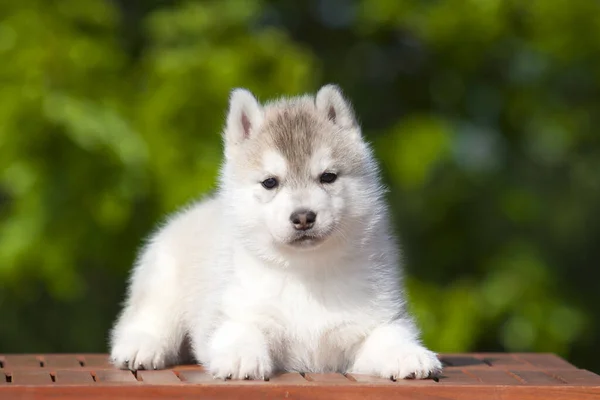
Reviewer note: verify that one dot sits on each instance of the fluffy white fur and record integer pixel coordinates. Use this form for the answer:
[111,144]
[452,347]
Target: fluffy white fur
[227,275]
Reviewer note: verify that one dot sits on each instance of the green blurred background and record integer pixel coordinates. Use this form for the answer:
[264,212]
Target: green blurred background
[484,115]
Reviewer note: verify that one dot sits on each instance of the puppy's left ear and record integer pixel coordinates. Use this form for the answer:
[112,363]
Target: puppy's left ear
[331,102]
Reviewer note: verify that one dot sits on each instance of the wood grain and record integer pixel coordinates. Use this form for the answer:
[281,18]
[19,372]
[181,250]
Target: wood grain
[159,377]
[27,377]
[60,361]
[68,377]
[12,362]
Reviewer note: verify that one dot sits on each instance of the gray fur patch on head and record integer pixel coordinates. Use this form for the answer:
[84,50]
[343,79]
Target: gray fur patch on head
[297,129]
[294,130]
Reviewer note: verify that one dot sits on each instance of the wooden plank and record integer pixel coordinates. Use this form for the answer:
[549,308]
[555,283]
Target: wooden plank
[545,361]
[415,382]
[291,378]
[29,377]
[316,392]
[462,361]
[188,367]
[70,377]
[503,361]
[495,377]
[116,375]
[537,378]
[63,361]
[330,378]
[457,377]
[204,378]
[376,380]
[198,377]
[95,360]
[370,379]
[18,361]
[579,377]
[163,377]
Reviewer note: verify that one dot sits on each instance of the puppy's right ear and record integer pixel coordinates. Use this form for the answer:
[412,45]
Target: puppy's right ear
[244,118]
[331,102]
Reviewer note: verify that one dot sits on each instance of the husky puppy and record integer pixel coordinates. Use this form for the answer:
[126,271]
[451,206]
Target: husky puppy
[290,266]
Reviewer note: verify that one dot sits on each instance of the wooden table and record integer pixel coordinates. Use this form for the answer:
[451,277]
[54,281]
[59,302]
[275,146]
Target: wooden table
[466,376]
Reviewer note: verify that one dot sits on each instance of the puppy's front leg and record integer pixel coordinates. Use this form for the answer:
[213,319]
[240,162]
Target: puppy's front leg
[239,350]
[394,351]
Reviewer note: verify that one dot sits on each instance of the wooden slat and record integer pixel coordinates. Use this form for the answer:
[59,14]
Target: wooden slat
[370,379]
[415,382]
[462,361]
[360,379]
[95,360]
[327,378]
[537,378]
[29,377]
[457,377]
[3,378]
[189,367]
[313,392]
[198,377]
[493,377]
[70,377]
[115,376]
[159,377]
[576,377]
[504,361]
[292,378]
[204,378]
[21,361]
[63,361]
[544,361]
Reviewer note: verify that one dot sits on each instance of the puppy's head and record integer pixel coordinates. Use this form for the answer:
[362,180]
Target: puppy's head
[298,175]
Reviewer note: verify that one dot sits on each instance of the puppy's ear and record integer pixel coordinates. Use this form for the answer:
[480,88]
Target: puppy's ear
[244,117]
[331,102]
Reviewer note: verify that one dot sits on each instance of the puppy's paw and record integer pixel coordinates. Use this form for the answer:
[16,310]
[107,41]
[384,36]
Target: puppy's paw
[413,362]
[399,362]
[239,353]
[241,363]
[137,351]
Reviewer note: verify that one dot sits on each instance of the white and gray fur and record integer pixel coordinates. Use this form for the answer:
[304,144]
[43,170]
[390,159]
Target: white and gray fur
[231,276]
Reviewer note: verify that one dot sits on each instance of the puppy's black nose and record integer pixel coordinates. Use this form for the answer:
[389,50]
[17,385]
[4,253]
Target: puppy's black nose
[303,219]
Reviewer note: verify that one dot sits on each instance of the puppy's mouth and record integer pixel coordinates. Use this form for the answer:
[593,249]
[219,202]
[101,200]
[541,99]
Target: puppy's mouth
[306,240]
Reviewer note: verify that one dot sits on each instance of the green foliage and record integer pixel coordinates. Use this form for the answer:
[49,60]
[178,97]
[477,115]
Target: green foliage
[483,115]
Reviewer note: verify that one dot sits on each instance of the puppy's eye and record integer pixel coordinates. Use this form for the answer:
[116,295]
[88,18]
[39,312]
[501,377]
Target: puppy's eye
[270,183]
[328,177]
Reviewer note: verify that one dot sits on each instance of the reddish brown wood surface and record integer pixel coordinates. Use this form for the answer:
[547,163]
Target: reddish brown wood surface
[466,376]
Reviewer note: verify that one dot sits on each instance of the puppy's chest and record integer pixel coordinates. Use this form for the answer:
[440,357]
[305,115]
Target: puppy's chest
[318,325]
[320,331]
[308,303]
